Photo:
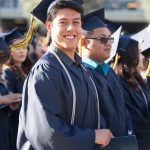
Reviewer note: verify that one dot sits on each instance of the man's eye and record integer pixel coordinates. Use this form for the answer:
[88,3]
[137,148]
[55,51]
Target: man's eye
[62,23]
[76,22]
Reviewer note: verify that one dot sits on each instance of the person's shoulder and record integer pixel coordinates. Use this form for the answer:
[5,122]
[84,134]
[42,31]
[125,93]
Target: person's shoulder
[46,66]
[8,72]
[48,59]
[112,72]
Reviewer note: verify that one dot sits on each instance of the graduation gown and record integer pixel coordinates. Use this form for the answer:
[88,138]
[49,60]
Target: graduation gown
[14,86]
[5,139]
[45,117]
[148,81]
[139,108]
[112,105]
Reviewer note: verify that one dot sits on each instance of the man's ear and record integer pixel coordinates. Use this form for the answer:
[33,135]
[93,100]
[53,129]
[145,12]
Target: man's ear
[48,26]
[83,42]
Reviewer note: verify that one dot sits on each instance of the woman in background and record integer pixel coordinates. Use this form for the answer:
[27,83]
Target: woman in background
[136,90]
[15,71]
[6,101]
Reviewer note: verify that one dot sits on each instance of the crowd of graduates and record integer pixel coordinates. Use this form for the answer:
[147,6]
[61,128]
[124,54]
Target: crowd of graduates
[110,82]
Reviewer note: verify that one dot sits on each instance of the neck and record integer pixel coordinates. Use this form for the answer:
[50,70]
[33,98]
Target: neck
[18,64]
[87,53]
[69,52]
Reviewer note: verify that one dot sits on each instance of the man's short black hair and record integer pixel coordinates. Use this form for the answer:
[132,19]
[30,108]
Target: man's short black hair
[60,4]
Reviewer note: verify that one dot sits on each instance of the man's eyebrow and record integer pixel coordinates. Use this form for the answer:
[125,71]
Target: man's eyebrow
[105,35]
[67,19]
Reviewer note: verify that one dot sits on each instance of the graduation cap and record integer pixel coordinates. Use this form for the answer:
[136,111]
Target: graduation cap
[4,51]
[143,37]
[100,13]
[44,6]
[116,36]
[144,44]
[93,20]
[123,43]
[14,34]
[124,46]
[112,26]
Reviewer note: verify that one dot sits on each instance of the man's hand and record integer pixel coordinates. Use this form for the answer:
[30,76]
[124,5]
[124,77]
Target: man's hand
[103,137]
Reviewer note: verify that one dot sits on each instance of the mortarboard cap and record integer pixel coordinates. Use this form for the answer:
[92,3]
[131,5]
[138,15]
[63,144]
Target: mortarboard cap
[112,26]
[127,44]
[123,43]
[100,13]
[92,20]
[116,36]
[14,34]
[44,7]
[143,37]
[4,51]
[41,10]
[2,35]
[3,46]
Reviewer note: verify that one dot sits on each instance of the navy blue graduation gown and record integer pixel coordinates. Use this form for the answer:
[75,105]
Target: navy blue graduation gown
[148,81]
[139,110]
[14,86]
[5,139]
[45,117]
[112,105]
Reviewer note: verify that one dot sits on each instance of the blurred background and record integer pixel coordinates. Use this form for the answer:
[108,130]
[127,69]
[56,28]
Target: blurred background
[134,15]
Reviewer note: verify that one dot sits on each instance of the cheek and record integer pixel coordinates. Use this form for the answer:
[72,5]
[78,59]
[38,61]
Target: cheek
[26,52]
[98,48]
[13,54]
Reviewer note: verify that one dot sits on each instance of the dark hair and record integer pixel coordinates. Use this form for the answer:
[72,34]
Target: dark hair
[64,4]
[128,61]
[22,72]
[4,56]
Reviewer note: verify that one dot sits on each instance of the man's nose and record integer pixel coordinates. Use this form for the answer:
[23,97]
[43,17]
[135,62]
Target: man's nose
[70,27]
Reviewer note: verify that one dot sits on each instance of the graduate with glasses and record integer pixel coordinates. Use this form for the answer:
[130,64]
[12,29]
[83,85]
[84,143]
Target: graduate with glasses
[60,105]
[96,48]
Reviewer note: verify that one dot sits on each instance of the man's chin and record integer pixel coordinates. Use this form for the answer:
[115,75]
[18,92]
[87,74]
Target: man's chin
[71,48]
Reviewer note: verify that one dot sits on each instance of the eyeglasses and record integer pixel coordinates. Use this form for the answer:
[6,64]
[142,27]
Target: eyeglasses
[104,40]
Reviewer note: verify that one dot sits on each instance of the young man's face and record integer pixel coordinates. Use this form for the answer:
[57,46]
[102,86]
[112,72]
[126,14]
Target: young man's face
[66,29]
[99,51]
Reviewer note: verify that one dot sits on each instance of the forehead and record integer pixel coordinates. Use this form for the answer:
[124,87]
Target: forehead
[101,31]
[67,13]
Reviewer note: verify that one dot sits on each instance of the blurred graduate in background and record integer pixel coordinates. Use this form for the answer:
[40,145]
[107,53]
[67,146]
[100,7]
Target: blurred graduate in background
[136,90]
[6,100]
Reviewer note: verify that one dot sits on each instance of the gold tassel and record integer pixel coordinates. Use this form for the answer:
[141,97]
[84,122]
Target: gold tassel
[116,61]
[80,47]
[25,40]
[148,70]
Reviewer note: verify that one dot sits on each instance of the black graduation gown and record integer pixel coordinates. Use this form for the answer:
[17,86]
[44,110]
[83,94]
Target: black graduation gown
[112,104]
[15,86]
[148,81]
[138,109]
[46,110]
[5,140]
